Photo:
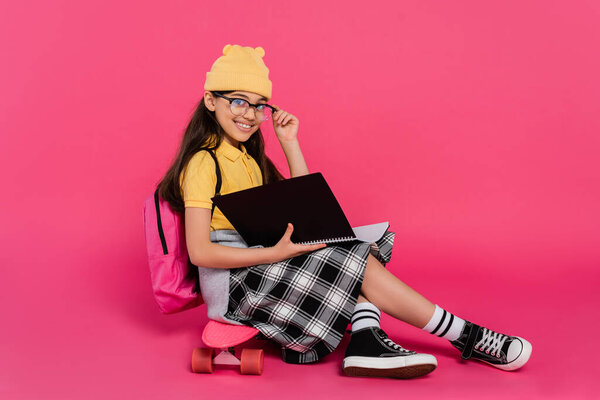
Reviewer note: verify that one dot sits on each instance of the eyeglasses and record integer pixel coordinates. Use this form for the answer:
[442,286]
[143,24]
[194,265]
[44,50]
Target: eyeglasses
[240,107]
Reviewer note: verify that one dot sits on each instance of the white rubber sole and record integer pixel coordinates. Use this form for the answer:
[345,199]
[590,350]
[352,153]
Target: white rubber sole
[390,367]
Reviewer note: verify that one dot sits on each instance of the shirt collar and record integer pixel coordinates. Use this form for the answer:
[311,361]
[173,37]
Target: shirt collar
[231,152]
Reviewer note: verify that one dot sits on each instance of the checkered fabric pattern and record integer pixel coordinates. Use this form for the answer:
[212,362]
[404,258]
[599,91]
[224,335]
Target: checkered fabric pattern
[304,303]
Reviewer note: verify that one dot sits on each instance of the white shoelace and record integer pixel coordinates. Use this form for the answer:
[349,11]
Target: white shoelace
[395,346]
[491,342]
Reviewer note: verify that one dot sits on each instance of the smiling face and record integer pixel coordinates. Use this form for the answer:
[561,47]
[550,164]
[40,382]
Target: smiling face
[238,129]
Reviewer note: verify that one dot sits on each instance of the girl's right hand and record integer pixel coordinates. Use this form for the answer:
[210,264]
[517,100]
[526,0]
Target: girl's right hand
[285,248]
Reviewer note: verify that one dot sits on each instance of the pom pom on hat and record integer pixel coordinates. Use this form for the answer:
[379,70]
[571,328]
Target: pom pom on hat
[240,68]
[226,49]
[260,51]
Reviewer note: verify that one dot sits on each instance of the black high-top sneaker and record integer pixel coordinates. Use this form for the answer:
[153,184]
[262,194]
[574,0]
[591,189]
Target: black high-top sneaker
[371,353]
[501,351]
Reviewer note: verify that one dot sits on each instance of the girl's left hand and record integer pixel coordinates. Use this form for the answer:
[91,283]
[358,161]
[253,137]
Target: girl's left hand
[285,125]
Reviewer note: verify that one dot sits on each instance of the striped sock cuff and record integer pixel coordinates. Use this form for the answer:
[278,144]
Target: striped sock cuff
[444,324]
[365,315]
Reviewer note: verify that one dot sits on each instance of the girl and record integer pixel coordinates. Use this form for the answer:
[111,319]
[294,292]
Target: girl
[301,296]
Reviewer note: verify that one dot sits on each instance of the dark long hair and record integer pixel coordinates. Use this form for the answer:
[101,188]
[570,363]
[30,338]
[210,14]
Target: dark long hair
[197,136]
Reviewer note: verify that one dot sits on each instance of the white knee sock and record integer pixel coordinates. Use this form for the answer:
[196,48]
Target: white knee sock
[365,315]
[444,324]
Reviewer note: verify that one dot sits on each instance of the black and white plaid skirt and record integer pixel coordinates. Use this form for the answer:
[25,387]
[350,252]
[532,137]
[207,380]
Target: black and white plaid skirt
[304,303]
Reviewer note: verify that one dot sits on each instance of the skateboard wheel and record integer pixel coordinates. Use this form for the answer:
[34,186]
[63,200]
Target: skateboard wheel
[202,360]
[252,361]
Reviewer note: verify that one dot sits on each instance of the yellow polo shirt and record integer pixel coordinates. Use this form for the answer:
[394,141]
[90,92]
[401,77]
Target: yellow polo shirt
[198,179]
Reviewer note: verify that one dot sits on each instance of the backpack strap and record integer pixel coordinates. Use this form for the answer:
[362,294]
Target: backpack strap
[161,233]
[217,192]
[218,170]
[157,203]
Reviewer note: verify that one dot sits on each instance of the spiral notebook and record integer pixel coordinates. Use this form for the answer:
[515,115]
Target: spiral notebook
[260,214]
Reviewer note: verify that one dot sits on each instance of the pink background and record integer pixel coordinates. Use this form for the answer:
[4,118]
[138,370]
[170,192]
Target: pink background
[471,126]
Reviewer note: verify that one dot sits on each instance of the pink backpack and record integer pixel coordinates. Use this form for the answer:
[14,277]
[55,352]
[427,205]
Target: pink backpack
[174,277]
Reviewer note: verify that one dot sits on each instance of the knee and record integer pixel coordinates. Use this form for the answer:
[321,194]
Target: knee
[372,261]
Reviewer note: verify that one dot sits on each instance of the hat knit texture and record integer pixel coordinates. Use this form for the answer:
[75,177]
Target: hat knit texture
[240,68]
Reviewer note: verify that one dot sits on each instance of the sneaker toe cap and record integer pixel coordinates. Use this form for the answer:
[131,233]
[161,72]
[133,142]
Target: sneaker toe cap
[518,353]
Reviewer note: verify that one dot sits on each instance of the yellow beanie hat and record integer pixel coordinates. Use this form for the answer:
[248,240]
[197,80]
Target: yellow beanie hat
[240,68]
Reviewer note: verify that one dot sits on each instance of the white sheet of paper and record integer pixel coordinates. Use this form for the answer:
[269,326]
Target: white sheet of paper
[371,233]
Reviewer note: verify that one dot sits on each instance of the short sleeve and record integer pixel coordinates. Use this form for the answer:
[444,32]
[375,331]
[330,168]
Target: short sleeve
[198,181]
